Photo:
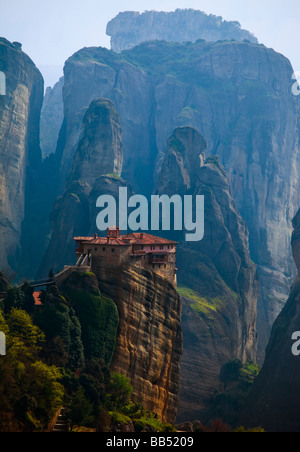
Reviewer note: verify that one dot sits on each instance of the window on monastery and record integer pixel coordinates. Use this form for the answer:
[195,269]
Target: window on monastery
[112,250]
[103,249]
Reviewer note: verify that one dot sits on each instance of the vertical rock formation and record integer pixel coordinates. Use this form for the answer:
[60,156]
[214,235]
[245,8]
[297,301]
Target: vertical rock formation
[129,28]
[100,150]
[274,402]
[52,116]
[20,156]
[217,279]
[130,91]
[238,95]
[69,217]
[184,157]
[149,341]
[99,153]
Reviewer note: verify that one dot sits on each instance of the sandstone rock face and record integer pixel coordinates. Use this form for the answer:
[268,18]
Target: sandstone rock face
[100,149]
[108,185]
[296,241]
[132,99]
[52,116]
[149,341]
[20,157]
[96,170]
[130,28]
[238,96]
[274,401]
[217,279]
[69,217]
[185,155]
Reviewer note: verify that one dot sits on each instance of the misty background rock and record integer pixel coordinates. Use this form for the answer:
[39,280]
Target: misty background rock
[131,28]
[20,154]
[238,96]
[274,400]
[217,280]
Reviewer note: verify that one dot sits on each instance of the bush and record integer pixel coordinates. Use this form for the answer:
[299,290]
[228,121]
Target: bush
[120,391]
[30,390]
[98,317]
[238,381]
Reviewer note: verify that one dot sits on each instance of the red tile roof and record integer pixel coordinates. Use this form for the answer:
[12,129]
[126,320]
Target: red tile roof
[136,238]
[36,296]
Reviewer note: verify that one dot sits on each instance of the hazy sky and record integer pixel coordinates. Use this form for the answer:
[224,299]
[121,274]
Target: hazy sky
[51,31]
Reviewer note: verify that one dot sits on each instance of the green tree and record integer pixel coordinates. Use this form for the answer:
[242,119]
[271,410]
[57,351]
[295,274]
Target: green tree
[30,390]
[3,323]
[47,390]
[13,299]
[237,379]
[28,303]
[120,391]
[19,298]
[98,317]
[81,410]
[21,327]
[58,320]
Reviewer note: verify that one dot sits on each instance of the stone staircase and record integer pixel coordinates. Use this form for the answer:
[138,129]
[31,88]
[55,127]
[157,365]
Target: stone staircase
[62,423]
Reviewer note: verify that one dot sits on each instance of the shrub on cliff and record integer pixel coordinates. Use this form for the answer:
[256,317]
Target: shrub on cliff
[120,391]
[238,380]
[58,320]
[98,317]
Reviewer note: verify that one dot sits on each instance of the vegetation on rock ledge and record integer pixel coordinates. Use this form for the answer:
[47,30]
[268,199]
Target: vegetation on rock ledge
[58,354]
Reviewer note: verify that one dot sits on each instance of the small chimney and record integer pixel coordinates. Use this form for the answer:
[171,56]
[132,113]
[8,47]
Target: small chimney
[113,232]
[95,236]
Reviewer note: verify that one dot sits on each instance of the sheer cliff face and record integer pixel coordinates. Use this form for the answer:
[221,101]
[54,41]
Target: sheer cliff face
[100,149]
[274,401]
[238,96]
[52,116]
[129,90]
[217,279]
[20,157]
[149,340]
[184,157]
[129,28]
[96,170]
[69,217]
